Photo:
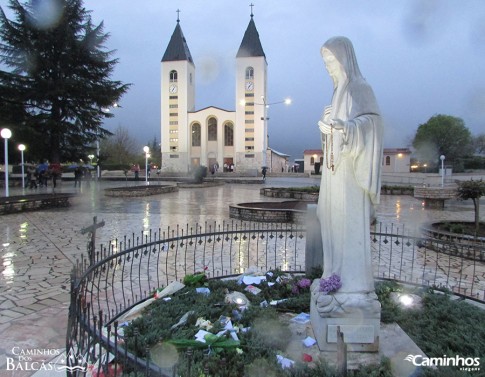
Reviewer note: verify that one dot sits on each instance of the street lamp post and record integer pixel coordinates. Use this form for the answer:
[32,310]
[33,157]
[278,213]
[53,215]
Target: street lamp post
[442,158]
[286,101]
[105,110]
[22,149]
[6,134]
[146,149]
[98,172]
[265,133]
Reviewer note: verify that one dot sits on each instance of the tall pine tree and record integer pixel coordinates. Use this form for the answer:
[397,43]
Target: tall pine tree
[54,96]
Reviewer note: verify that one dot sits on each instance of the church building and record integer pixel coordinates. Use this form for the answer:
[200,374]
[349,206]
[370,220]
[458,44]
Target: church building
[213,136]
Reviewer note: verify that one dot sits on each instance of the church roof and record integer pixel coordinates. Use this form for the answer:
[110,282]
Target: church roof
[177,48]
[312,151]
[211,107]
[250,45]
[279,153]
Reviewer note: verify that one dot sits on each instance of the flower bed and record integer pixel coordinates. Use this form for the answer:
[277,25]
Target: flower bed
[205,307]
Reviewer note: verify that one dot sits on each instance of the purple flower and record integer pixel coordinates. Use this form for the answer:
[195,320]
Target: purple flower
[304,283]
[330,284]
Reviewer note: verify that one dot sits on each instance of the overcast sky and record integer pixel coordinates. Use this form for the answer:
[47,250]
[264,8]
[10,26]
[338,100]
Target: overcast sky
[422,57]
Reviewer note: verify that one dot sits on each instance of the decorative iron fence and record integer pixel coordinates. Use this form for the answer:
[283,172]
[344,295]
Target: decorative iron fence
[125,272]
[452,264]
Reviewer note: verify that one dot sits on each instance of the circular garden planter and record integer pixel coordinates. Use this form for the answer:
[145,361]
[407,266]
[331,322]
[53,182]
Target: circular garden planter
[200,185]
[133,191]
[455,238]
[284,193]
[293,211]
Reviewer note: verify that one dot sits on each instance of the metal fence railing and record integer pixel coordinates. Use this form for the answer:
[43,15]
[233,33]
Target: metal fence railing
[454,264]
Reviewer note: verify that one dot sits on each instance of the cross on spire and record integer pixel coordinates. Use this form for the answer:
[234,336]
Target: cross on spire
[178,15]
[251,5]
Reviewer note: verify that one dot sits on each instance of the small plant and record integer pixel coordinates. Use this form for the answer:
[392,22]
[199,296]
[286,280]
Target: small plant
[301,285]
[473,190]
[213,343]
[195,280]
[457,228]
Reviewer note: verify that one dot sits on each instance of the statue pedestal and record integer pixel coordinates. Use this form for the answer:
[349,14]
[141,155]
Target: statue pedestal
[358,316]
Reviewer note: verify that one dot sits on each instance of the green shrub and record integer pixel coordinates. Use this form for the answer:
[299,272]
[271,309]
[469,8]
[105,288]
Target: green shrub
[457,228]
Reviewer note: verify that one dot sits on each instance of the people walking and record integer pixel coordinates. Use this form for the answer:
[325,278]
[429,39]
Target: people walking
[78,174]
[31,178]
[136,170]
[55,172]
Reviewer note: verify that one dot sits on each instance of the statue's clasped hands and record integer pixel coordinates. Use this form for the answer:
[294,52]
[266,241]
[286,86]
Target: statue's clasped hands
[336,124]
[326,124]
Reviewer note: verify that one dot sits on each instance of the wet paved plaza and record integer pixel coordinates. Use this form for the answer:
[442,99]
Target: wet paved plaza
[39,248]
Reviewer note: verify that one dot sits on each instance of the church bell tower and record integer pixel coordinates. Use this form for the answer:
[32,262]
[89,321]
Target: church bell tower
[177,99]
[251,83]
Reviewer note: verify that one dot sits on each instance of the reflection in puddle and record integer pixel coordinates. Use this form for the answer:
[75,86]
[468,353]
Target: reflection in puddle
[8,267]
[23,230]
[146,219]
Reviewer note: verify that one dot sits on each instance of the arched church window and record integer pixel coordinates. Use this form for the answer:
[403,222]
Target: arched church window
[249,73]
[312,160]
[196,135]
[173,76]
[228,134]
[388,160]
[212,129]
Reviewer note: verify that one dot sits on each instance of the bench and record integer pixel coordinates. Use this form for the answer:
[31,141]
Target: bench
[21,203]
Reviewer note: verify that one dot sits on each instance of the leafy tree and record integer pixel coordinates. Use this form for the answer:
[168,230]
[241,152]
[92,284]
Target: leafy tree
[155,152]
[443,135]
[473,190]
[153,145]
[120,147]
[53,97]
[479,143]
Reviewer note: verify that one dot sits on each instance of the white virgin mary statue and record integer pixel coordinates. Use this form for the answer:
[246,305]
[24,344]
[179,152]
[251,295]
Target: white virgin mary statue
[352,131]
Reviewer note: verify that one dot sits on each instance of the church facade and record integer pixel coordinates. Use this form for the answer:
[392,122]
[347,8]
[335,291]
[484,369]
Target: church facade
[212,136]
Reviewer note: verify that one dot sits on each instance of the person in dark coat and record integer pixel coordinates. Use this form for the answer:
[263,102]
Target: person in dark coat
[78,175]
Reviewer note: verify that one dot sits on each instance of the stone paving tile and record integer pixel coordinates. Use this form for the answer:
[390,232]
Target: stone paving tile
[51,294]
[22,310]
[7,304]
[4,319]
[36,307]
[11,314]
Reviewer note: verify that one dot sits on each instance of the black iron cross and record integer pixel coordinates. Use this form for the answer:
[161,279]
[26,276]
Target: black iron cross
[178,15]
[251,5]
[92,243]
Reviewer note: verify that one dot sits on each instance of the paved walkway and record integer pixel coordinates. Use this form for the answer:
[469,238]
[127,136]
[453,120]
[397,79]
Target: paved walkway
[37,249]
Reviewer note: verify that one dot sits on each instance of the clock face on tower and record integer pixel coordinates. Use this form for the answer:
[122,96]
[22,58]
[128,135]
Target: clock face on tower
[173,88]
[249,85]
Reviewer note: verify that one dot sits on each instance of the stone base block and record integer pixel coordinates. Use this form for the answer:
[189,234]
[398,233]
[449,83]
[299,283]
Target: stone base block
[360,334]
